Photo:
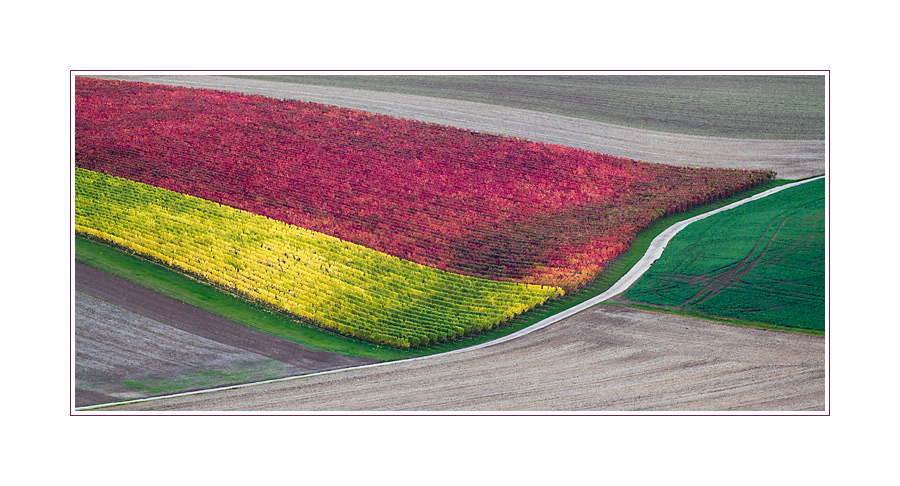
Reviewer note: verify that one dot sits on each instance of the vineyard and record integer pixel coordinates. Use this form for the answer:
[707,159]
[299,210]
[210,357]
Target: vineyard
[470,203]
[339,285]
[393,231]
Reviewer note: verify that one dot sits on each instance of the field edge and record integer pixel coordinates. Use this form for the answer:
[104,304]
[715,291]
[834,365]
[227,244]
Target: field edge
[713,318]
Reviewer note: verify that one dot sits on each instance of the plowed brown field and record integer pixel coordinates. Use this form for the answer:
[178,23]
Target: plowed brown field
[127,333]
[603,359]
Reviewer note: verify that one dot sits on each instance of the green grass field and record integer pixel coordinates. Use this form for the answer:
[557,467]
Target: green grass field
[199,294]
[761,262]
[766,107]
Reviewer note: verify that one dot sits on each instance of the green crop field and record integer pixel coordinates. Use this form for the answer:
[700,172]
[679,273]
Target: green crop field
[766,107]
[762,262]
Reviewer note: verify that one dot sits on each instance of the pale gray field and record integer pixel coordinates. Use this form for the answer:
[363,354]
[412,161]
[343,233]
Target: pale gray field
[114,346]
[791,159]
[131,342]
[603,359]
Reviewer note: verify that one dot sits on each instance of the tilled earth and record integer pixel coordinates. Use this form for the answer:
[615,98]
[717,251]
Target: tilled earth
[791,159]
[131,342]
[609,358]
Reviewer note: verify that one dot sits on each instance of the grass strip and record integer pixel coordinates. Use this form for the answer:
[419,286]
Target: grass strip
[178,286]
[207,379]
[725,320]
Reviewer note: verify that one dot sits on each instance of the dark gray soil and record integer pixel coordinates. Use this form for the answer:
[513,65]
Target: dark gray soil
[125,333]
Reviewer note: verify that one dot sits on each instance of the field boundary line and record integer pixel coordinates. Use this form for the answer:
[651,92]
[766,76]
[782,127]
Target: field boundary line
[654,251]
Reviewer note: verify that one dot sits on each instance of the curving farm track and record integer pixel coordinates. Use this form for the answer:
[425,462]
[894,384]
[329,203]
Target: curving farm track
[791,159]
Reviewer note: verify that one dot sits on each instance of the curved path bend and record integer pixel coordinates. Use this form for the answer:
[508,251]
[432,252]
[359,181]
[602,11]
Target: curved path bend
[592,359]
[791,159]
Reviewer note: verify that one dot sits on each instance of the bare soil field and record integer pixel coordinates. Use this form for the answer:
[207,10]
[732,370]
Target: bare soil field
[791,159]
[608,358]
[126,334]
[739,106]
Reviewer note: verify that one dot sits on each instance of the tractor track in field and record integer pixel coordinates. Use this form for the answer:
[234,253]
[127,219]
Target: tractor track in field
[606,358]
[791,159]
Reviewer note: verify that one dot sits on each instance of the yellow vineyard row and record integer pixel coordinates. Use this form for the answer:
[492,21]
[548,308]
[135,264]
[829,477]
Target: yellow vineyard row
[339,285]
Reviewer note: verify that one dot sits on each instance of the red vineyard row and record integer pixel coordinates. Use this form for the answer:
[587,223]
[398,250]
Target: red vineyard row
[472,203]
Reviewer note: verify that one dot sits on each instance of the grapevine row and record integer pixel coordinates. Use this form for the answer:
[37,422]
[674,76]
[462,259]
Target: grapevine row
[476,204]
[339,285]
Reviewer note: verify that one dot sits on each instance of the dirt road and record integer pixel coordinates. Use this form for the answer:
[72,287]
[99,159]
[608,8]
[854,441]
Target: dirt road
[791,159]
[605,359]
